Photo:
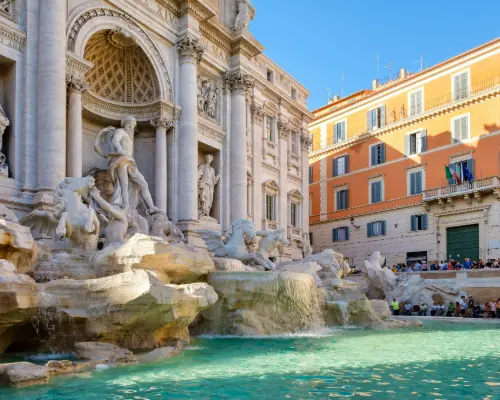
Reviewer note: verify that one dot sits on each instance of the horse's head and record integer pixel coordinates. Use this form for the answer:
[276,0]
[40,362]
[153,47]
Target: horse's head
[243,227]
[80,186]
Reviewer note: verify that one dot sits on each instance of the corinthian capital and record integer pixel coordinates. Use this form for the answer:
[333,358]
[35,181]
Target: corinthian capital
[306,141]
[238,81]
[189,50]
[163,122]
[76,83]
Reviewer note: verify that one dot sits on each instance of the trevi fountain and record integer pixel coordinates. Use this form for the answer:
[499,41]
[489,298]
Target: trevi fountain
[186,283]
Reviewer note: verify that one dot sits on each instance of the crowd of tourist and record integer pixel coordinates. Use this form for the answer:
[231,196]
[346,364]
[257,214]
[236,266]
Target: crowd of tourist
[450,265]
[467,307]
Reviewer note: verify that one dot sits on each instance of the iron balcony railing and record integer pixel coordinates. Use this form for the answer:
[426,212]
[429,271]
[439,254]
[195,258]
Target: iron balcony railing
[478,185]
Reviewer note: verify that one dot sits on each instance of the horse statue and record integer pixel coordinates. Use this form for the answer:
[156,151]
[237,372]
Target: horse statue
[72,218]
[234,245]
[271,240]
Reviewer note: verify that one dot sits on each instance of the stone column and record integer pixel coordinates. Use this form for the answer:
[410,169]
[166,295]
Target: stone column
[74,154]
[305,141]
[51,126]
[190,53]
[239,84]
[162,125]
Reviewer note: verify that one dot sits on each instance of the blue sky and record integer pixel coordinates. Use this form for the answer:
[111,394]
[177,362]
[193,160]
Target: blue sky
[318,40]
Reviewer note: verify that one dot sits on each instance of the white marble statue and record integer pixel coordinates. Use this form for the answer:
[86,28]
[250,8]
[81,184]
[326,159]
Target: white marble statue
[269,242]
[117,145]
[4,123]
[208,98]
[207,180]
[162,227]
[212,102]
[246,12]
[73,218]
[307,249]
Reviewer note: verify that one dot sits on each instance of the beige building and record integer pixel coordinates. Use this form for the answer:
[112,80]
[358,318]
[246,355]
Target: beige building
[194,78]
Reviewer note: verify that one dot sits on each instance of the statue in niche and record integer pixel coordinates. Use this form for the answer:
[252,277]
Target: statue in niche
[4,123]
[207,180]
[246,12]
[73,217]
[208,98]
[117,145]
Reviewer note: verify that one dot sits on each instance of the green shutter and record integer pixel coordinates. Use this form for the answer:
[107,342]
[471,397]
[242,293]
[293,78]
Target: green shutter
[369,228]
[424,222]
[334,167]
[413,223]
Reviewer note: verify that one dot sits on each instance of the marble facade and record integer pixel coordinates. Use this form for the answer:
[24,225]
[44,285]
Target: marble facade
[196,81]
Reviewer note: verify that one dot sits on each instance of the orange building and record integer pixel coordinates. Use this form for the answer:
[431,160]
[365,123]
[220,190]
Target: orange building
[377,165]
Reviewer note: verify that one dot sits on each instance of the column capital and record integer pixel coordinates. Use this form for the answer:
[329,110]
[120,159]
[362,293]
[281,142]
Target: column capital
[163,122]
[283,129]
[305,140]
[238,81]
[76,83]
[190,51]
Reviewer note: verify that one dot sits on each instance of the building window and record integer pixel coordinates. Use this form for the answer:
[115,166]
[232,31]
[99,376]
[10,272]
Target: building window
[293,93]
[340,234]
[270,75]
[311,180]
[376,191]
[416,102]
[377,154]
[340,165]
[418,222]
[294,214]
[460,128]
[341,199]
[340,132]
[376,118]
[270,128]
[416,142]
[270,207]
[460,86]
[464,170]
[415,182]
[376,228]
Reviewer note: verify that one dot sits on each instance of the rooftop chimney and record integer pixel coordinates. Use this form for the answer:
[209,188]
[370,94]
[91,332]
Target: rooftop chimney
[375,84]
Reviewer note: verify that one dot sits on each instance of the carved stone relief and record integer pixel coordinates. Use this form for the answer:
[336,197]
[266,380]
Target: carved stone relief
[208,98]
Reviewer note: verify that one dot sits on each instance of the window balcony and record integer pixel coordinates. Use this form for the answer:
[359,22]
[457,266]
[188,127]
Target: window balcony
[270,225]
[467,190]
[294,233]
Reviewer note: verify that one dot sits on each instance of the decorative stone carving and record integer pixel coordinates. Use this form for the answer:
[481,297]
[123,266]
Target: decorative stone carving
[4,123]
[76,83]
[283,129]
[258,113]
[392,116]
[162,227]
[238,81]
[189,50]
[306,141]
[208,98]
[72,218]
[117,145]
[271,240]
[8,7]
[207,180]
[163,122]
[246,12]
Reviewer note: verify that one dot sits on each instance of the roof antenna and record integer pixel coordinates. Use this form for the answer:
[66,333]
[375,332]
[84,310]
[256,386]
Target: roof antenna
[421,62]
[389,67]
[342,85]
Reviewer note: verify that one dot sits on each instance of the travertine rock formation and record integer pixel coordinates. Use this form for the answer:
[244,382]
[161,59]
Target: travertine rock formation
[17,245]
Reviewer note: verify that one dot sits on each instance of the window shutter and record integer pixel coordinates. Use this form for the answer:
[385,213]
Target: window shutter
[456,87]
[464,84]
[382,153]
[334,235]
[369,227]
[344,131]
[337,199]
[418,102]
[424,222]
[310,174]
[346,163]
[456,130]
[383,228]
[346,233]
[369,122]
[407,145]
[413,144]
[334,167]
[346,198]
[373,151]
[335,133]
[382,116]
[412,183]
[418,183]
[372,189]
[464,121]
[423,140]
[413,223]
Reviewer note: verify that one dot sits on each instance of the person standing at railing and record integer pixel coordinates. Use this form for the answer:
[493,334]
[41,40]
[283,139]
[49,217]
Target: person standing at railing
[467,263]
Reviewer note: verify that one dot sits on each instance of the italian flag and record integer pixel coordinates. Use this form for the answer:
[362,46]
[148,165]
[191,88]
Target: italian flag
[450,174]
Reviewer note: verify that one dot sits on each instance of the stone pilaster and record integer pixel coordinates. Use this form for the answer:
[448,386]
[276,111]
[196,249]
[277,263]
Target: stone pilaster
[239,83]
[74,155]
[305,141]
[51,161]
[190,53]
[162,125]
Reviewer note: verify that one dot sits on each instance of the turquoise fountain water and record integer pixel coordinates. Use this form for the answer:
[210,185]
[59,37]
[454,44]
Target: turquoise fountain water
[440,361]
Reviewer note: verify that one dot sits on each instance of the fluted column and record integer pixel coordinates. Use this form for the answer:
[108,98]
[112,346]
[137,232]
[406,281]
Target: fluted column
[74,154]
[305,141]
[238,83]
[162,125]
[51,160]
[190,53]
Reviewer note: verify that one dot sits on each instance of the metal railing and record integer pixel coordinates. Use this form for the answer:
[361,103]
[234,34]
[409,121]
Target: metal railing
[477,185]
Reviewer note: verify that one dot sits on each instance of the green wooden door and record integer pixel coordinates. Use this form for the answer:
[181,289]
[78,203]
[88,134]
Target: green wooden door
[463,241]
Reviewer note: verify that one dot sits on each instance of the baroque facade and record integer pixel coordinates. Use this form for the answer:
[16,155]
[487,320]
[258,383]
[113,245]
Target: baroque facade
[196,82]
[377,166]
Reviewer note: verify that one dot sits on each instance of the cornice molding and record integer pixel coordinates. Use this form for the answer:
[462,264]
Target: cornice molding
[13,38]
